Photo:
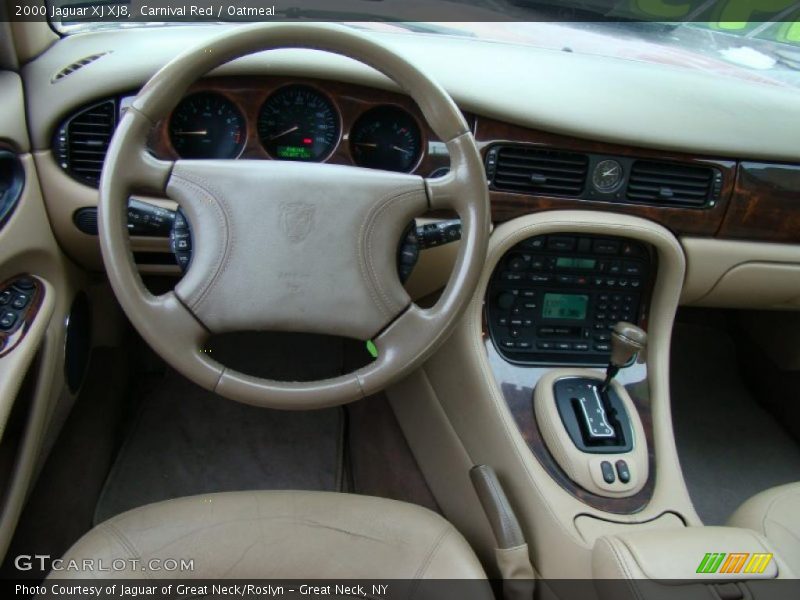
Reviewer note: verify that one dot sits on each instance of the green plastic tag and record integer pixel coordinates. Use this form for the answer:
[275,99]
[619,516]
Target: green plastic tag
[372,349]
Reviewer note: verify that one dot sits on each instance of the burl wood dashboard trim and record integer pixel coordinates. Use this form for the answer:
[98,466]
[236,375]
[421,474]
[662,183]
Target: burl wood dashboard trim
[248,94]
[765,204]
[509,205]
[9,340]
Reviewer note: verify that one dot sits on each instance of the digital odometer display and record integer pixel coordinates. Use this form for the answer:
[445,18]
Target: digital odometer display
[576,263]
[565,306]
[298,123]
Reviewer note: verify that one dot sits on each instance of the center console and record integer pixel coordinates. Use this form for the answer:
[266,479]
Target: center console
[553,299]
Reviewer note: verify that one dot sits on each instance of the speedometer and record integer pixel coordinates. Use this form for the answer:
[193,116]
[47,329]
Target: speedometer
[387,138]
[207,125]
[298,123]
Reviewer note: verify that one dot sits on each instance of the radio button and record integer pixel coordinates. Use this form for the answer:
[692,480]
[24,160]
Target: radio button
[508,344]
[541,278]
[602,347]
[635,283]
[502,321]
[632,269]
[564,244]
[528,294]
[615,268]
[523,345]
[545,345]
[581,347]
[516,322]
[563,346]
[606,247]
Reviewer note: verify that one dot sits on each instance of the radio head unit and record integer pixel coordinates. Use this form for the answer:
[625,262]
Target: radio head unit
[553,299]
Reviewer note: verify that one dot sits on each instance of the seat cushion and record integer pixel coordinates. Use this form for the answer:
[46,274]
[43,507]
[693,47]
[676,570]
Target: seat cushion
[775,514]
[286,535]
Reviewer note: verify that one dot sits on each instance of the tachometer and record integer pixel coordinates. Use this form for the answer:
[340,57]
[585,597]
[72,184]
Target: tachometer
[207,125]
[298,123]
[386,137]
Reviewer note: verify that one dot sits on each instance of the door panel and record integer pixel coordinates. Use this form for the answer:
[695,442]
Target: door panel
[40,283]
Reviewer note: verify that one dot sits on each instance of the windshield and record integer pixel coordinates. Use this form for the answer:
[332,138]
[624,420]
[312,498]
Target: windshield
[766,52]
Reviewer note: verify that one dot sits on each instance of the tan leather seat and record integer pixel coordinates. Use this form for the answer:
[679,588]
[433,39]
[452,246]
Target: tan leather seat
[775,514]
[283,535]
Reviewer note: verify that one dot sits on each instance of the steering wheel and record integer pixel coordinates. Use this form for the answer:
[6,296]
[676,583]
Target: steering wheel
[291,246]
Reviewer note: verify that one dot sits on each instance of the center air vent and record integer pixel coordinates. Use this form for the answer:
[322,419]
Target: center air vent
[674,184]
[82,141]
[536,170]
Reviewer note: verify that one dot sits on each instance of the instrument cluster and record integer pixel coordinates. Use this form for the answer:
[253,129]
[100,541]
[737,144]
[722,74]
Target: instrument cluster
[295,122]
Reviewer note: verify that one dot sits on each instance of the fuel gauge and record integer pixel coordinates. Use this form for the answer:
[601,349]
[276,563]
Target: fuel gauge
[386,138]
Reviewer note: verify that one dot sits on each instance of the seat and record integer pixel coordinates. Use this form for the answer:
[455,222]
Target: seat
[276,535]
[775,514]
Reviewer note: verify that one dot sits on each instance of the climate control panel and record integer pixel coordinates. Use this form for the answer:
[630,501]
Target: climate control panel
[553,299]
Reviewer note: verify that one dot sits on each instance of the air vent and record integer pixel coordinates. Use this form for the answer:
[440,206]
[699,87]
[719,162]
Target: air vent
[673,184]
[70,69]
[81,143]
[536,170]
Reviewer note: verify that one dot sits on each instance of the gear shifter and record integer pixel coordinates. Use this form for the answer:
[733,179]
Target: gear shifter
[626,341]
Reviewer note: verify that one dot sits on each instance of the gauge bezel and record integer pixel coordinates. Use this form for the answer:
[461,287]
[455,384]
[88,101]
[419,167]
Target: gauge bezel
[233,103]
[327,97]
[423,138]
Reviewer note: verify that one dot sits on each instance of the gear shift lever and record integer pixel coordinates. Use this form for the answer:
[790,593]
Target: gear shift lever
[626,340]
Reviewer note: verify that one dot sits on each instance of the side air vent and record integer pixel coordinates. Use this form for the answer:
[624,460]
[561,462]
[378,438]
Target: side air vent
[536,170]
[82,141]
[70,69]
[673,184]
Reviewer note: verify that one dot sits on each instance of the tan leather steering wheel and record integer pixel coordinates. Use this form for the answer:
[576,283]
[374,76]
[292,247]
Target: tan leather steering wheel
[288,246]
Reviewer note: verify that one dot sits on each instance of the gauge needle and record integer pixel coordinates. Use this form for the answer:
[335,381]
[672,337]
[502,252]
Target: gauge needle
[399,149]
[200,132]
[282,133]
[366,144]
[610,172]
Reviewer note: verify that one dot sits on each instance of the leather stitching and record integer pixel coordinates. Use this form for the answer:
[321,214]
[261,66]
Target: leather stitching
[426,562]
[223,252]
[368,269]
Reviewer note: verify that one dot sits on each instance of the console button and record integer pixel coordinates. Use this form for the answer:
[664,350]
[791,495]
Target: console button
[508,344]
[565,279]
[615,268]
[635,283]
[523,345]
[506,300]
[606,247]
[516,322]
[541,278]
[530,305]
[5,297]
[608,472]
[623,471]
[561,243]
[563,346]
[528,294]
[581,347]
[536,243]
[602,347]
[517,263]
[545,345]
[632,268]
[7,320]
[630,249]
[502,321]
[602,337]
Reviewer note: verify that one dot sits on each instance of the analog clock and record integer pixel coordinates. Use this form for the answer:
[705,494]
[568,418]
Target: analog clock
[607,176]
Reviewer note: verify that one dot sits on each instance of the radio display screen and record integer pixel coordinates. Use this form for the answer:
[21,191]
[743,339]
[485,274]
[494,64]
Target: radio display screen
[575,263]
[565,306]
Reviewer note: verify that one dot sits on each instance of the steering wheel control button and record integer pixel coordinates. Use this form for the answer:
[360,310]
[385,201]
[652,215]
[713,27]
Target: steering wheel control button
[608,472]
[180,240]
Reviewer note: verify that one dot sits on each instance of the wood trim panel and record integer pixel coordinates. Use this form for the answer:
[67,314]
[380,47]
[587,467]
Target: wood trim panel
[765,204]
[350,101]
[508,205]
